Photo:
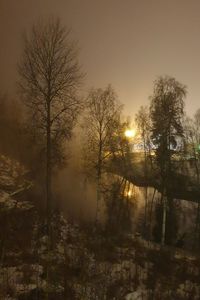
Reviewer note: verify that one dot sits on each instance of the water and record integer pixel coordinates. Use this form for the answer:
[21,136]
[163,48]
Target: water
[146,199]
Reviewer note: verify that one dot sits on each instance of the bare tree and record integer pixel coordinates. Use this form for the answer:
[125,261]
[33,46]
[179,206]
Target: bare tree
[142,120]
[49,80]
[102,114]
[120,148]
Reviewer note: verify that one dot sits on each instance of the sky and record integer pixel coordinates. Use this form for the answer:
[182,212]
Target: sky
[125,43]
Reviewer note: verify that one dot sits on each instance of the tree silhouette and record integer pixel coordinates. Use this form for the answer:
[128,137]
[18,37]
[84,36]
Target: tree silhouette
[49,80]
[167,107]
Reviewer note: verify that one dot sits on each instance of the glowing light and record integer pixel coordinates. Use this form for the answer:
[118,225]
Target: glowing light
[130,133]
[129,194]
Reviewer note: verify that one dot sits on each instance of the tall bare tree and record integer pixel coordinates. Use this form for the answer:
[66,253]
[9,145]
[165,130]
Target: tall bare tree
[101,115]
[142,120]
[50,76]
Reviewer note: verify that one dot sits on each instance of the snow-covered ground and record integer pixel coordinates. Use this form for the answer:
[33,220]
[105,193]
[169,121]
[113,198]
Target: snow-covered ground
[81,264]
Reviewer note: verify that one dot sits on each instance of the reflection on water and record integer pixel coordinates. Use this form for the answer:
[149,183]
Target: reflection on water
[145,209]
[145,200]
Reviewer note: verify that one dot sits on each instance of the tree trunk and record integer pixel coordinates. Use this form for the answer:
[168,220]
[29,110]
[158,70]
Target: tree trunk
[164,219]
[99,172]
[150,215]
[48,167]
[48,192]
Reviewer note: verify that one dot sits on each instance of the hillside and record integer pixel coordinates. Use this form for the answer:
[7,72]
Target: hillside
[82,263]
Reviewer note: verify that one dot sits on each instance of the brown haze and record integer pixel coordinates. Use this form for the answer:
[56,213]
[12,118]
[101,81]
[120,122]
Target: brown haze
[125,43]
[75,193]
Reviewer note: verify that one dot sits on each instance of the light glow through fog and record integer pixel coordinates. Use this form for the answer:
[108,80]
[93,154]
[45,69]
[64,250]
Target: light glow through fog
[130,133]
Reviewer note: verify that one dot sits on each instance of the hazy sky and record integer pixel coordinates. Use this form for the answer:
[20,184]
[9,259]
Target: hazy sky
[127,43]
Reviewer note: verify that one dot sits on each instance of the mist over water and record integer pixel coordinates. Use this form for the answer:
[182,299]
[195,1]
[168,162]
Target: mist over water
[76,195]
